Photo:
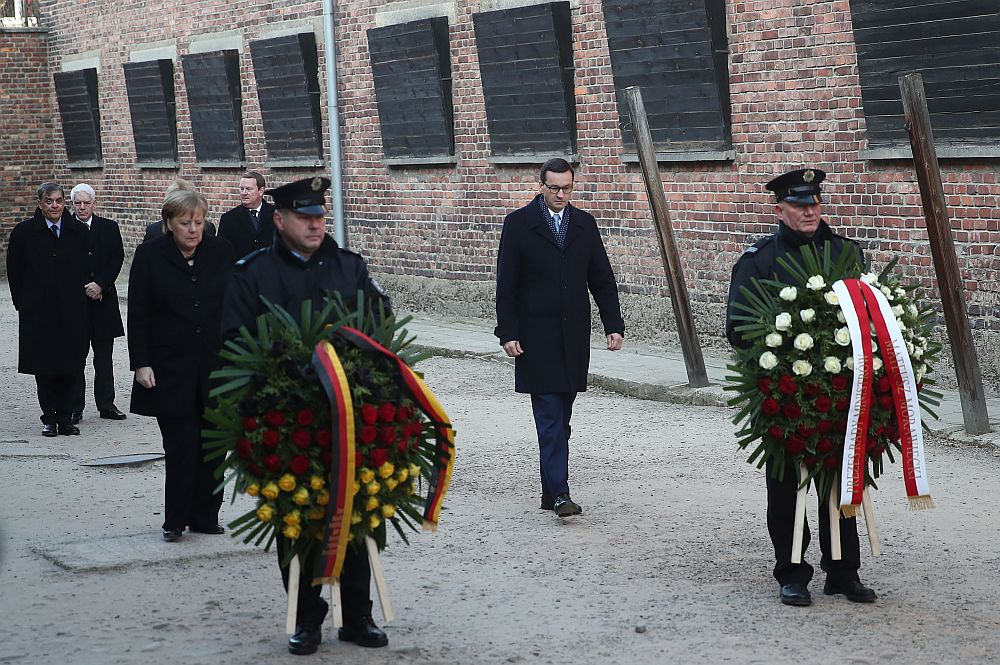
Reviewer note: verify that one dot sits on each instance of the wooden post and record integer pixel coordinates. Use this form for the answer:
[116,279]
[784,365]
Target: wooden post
[873,538]
[693,360]
[800,515]
[381,586]
[336,607]
[291,617]
[949,279]
[833,508]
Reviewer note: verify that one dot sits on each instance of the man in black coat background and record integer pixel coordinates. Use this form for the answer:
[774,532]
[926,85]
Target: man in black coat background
[46,272]
[104,318]
[551,254]
[250,225]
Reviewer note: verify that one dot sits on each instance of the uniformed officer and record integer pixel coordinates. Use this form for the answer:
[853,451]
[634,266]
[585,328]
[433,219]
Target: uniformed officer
[798,204]
[305,263]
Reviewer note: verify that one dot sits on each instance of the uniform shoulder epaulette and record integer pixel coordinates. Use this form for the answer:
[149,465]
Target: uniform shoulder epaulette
[752,249]
[249,258]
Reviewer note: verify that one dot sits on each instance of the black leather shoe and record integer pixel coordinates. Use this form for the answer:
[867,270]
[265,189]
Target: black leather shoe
[49,430]
[853,589]
[214,530]
[113,414]
[172,535]
[565,506]
[795,594]
[69,430]
[306,639]
[546,502]
[363,632]
[75,417]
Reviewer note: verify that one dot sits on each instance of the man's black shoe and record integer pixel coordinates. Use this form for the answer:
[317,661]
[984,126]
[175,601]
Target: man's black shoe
[363,632]
[212,530]
[306,639]
[795,594]
[49,430]
[546,502]
[69,430]
[113,414]
[172,535]
[565,506]
[853,589]
[75,417]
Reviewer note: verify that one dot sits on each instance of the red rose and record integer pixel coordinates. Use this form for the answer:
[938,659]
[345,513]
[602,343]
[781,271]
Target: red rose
[770,407]
[274,418]
[306,417]
[388,434]
[892,433]
[786,384]
[791,411]
[324,438]
[413,429]
[272,463]
[244,448]
[839,383]
[824,426]
[403,445]
[884,385]
[387,413]
[368,434]
[300,464]
[843,404]
[404,412]
[812,389]
[359,460]
[764,385]
[805,432]
[886,402]
[301,438]
[876,451]
[327,458]
[255,470]
[809,460]
[824,445]
[823,403]
[841,425]
[776,432]
[379,457]
[830,462]
[270,438]
[871,443]
[250,424]
[795,445]
[920,387]
[369,414]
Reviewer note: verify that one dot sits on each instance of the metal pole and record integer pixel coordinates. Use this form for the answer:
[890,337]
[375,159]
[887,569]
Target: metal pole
[333,118]
[694,363]
[949,278]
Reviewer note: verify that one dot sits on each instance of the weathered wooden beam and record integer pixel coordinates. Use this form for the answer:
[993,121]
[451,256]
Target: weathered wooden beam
[949,279]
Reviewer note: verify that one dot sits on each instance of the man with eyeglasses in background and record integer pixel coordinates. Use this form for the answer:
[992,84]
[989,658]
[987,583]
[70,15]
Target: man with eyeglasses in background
[551,254]
[250,225]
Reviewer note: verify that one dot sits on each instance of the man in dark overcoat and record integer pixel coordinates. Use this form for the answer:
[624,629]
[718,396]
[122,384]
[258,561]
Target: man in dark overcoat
[551,254]
[250,225]
[104,317]
[798,204]
[47,271]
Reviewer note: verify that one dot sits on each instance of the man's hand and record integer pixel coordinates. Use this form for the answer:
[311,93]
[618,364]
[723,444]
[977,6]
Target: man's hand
[144,377]
[615,342]
[93,290]
[513,348]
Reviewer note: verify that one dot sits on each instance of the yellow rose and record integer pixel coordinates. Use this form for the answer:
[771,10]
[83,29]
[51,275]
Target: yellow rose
[374,521]
[372,504]
[316,482]
[391,483]
[356,518]
[414,471]
[366,475]
[301,496]
[270,491]
[287,482]
[372,488]
[357,487]
[386,470]
[388,511]
[253,489]
[402,475]
[316,513]
[411,488]
[323,497]
[292,531]
[265,512]
[292,518]
[350,536]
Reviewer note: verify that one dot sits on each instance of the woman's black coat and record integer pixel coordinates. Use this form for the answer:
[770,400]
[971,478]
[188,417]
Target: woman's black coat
[173,323]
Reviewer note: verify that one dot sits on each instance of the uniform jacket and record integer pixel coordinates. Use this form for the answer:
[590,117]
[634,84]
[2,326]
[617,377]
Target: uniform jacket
[543,301]
[761,261]
[105,257]
[284,279]
[46,277]
[237,227]
[155,230]
[173,323]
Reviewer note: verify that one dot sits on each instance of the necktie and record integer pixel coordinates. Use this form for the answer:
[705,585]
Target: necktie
[557,218]
[253,218]
[55,230]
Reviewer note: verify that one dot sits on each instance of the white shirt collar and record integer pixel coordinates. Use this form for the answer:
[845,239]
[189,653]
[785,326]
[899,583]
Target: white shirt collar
[554,213]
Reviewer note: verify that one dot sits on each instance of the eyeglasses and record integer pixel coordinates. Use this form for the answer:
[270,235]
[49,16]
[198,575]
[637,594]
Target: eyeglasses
[555,189]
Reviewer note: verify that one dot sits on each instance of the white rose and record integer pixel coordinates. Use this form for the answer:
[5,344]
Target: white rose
[874,346]
[783,321]
[900,292]
[887,291]
[788,293]
[768,360]
[902,326]
[773,340]
[831,298]
[921,371]
[917,352]
[815,283]
[841,317]
[876,363]
[869,278]
[849,363]
[842,336]
[912,310]
[897,311]
[803,342]
[802,367]
[807,315]
[831,365]
[910,348]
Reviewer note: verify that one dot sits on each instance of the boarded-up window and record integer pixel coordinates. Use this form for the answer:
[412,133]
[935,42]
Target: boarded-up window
[676,51]
[76,92]
[287,74]
[526,65]
[212,81]
[412,71]
[153,109]
[955,46]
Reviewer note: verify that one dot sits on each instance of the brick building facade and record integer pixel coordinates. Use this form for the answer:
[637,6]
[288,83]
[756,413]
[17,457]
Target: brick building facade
[792,91]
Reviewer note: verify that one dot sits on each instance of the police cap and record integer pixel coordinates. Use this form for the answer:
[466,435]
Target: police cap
[306,196]
[800,186]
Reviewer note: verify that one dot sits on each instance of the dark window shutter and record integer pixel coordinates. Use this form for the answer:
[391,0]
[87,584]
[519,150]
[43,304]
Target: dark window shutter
[212,81]
[80,112]
[153,109]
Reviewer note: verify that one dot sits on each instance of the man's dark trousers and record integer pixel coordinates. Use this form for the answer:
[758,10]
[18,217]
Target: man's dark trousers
[54,397]
[355,583]
[780,525]
[552,412]
[104,378]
